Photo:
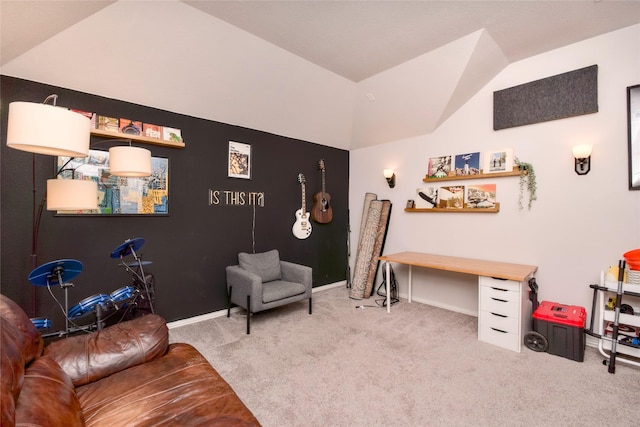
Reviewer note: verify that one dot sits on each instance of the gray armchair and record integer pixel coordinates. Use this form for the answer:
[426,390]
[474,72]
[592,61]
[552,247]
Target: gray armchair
[262,281]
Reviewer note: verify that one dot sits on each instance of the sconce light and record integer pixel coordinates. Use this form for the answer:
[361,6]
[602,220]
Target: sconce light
[129,161]
[582,154]
[47,129]
[390,176]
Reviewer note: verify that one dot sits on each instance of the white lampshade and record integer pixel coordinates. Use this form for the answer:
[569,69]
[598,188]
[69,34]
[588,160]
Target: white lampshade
[582,151]
[71,195]
[388,173]
[129,161]
[46,129]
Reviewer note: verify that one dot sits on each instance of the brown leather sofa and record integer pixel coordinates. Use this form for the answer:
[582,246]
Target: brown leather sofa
[124,375]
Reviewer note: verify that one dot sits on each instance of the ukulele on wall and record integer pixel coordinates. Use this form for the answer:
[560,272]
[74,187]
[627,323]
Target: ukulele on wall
[321,211]
[302,227]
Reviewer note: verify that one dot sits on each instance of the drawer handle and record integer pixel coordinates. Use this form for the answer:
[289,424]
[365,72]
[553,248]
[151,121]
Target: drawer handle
[500,289]
[498,278]
[499,330]
[499,315]
[498,299]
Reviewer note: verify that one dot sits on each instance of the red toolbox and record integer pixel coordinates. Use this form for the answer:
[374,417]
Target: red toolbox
[563,326]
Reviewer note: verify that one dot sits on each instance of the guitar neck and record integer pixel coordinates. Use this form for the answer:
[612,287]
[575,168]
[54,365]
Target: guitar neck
[303,198]
[323,183]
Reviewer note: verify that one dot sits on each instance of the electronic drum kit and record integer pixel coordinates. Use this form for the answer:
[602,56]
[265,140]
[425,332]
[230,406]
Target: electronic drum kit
[123,303]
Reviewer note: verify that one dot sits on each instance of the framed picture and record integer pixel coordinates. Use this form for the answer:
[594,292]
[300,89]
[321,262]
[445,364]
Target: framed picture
[119,195]
[439,167]
[239,160]
[426,197]
[498,161]
[451,197]
[633,120]
[481,196]
[467,164]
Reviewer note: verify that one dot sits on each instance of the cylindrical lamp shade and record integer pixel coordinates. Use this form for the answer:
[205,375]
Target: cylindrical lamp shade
[129,161]
[71,195]
[46,129]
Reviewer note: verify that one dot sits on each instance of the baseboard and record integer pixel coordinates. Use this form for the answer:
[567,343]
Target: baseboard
[223,312]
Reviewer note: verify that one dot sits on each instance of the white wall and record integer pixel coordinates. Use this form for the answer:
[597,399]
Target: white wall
[171,56]
[579,224]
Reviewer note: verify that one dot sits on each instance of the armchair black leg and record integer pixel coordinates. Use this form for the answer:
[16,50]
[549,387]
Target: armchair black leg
[309,305]
[248,314]
[229,301]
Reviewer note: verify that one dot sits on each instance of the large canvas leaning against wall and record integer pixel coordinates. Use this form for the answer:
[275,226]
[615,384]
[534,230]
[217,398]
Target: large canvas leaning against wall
[119,195]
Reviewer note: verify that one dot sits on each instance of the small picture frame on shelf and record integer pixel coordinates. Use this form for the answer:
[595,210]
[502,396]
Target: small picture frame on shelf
[481,196]
[497,161]
[451,197]
[410,204]
[426,197]
[439,167]
[467,164]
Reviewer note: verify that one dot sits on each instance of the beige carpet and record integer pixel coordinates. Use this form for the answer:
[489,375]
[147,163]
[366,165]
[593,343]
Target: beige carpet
[418,366]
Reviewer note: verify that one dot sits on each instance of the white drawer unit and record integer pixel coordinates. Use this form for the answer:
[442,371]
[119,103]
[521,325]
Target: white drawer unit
[504,312]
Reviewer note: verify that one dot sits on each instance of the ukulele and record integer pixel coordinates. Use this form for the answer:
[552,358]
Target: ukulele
[321,211]
[302,227]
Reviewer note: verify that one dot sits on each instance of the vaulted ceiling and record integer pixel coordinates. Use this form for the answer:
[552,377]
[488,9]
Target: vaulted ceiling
[358,39]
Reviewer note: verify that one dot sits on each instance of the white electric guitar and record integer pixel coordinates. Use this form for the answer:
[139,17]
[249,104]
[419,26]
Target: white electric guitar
[302,227]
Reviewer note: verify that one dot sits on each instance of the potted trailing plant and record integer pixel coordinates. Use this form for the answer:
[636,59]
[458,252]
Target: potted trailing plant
[528,181]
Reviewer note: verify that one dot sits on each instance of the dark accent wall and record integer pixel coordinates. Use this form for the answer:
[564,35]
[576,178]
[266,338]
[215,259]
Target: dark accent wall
[190,247]
[557,97]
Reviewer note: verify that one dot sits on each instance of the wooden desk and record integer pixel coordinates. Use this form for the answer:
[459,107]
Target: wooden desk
[505,291]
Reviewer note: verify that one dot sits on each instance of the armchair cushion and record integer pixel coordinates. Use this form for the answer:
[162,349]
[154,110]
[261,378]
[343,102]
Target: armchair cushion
[266,264]
[278,290]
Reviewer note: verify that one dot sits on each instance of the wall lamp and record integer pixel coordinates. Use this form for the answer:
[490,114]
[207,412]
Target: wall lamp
[582,154]
[390,176]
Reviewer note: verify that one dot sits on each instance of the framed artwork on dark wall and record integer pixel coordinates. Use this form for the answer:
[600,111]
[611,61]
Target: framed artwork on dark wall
[633,120]
[239,165]
[119,195]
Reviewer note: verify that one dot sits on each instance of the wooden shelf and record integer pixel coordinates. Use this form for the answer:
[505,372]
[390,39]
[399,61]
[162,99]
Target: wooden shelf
[452,210]
[514,172]
[138,138]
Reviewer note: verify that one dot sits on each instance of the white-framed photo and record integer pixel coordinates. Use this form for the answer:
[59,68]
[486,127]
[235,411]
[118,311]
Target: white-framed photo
[239,160]
[498,161]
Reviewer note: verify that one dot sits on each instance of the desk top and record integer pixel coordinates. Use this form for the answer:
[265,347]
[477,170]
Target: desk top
[501,270]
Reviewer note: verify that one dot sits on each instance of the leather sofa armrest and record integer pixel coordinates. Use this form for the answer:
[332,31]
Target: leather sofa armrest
[88,358]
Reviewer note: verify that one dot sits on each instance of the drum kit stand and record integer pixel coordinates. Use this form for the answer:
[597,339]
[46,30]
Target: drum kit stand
[136,298]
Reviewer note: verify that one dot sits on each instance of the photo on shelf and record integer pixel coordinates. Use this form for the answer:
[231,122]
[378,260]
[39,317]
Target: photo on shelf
[481,196]
[439,167]
[130,127]
[451,197]
[498,161]
[467,164]
[151,131]
[426,197]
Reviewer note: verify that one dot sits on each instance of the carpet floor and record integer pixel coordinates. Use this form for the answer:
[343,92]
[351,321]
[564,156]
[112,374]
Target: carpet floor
[418,366]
